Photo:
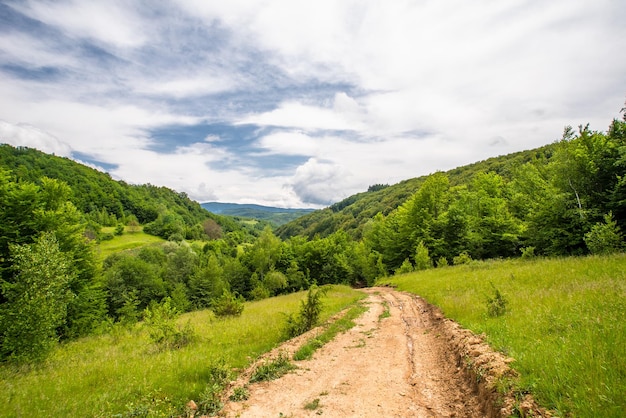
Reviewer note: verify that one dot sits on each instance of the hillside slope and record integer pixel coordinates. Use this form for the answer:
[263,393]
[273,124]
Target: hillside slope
[352,213]
[107,201]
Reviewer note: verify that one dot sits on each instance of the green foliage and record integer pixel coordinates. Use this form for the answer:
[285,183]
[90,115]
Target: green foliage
[239,394]
[528,252]
[496,304]
[309,313]
[422,259]
[442,262]
[209,402]
[36,303]
[162,328]
[463,258]
[605,238]
[406,267]
[228,305]
[272,369]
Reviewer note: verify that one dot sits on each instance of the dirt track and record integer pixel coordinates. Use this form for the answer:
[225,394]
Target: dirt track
[404,365]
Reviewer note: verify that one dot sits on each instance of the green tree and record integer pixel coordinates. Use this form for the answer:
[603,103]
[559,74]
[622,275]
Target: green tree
[36,303]
[207,284]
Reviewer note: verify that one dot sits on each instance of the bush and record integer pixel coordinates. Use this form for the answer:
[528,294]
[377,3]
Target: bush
[604,238]
[422,259]
[228,305]
[528,252]
[406,267]
[161,322]
[463,258]
[309,313]
[119,230]
[496,305]
[442,262]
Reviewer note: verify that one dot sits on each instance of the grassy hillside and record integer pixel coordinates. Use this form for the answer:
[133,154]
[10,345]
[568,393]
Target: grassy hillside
[122,373]
[352,214]
[565,324]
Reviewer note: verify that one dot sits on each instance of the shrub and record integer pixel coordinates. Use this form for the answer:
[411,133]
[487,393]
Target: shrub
[119,230]
[163,330]
[528,252]
[422,259]
[463,258]
[406,267]
[604,238]
[496,305]
[442,262]
[309,313]
[228,305]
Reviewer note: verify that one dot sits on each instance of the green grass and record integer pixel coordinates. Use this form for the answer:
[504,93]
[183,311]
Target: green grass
[565,324]
[272,369]
[122,373]
[127,241]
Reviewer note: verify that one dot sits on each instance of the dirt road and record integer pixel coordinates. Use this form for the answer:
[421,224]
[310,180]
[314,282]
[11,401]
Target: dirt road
[398,365]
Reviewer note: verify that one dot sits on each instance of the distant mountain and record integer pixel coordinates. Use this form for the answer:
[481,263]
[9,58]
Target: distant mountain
[274,215]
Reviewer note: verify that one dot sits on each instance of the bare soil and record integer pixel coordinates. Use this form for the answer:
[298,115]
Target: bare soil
[411,363]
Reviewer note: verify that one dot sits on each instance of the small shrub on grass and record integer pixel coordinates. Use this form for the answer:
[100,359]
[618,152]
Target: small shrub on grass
[442,262]
[273,369]
[496,305]
[422,258]
[463,258]
[162,328]
[309,313]
[228,305]
[406,267]
[604,238]
[528,252]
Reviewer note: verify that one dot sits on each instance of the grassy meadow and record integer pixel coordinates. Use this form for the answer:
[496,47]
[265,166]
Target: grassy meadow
[123,374]
[565,324]
[126,241]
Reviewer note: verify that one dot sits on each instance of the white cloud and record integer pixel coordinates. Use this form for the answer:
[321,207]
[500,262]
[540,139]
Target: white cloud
[29,136]
[110,22]
[320,182]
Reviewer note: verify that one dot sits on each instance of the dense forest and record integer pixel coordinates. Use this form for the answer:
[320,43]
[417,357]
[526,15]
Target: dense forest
[567,198]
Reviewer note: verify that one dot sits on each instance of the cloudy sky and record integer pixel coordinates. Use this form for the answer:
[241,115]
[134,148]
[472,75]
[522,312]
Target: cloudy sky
[302,103]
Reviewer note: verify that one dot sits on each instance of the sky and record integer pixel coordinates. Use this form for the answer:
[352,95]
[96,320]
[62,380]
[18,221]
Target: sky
[295,103]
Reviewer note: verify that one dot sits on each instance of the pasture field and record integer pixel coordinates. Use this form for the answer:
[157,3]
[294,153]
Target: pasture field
[126,241]
[564,324]
[122,373]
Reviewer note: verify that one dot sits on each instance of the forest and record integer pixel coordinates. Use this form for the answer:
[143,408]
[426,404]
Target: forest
[566,198]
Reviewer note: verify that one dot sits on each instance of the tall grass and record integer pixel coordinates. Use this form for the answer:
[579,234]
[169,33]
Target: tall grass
[565,324]
[122,374]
